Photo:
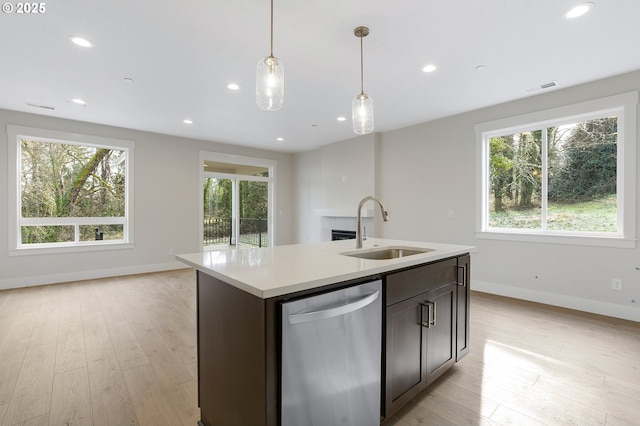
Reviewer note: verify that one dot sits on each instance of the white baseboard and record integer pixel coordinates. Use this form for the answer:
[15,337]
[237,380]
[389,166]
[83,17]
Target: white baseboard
[586,305]
[88,275]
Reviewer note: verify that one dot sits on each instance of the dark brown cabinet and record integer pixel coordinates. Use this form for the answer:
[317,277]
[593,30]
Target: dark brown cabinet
[405,357]
[236,356]
[425,331]
[441,333]
[424,335]
[463,299]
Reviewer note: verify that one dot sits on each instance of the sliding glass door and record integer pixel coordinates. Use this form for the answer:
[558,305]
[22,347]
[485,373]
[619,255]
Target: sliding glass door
[236,206]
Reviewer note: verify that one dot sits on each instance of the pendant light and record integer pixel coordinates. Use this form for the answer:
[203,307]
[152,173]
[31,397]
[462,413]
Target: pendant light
[362,105]
[270,79]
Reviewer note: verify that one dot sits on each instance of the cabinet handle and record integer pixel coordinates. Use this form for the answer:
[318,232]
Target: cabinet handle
[433,320]
[431,314]
[462,282]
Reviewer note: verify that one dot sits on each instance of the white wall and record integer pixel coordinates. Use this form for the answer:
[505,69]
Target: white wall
[426,171]
[329,184]
[166,198]
[308,195]
[348,173]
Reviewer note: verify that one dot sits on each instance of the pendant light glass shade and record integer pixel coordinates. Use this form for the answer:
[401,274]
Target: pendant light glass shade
[270,84]
[362,114]
[362,105]
[270,79]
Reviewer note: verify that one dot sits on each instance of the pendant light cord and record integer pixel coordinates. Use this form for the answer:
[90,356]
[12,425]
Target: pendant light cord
[361,68]
[271,49]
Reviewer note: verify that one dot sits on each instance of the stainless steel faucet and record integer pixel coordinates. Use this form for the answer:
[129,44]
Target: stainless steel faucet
[385,217]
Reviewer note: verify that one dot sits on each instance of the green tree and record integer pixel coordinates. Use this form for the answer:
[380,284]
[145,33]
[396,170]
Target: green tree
[69,201]
[587,168]
[253,199]
[515,170]
[68,180]
[501,166]
[527,168]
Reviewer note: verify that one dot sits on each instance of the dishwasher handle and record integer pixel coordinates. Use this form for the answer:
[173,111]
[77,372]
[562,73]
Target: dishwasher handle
[333,311]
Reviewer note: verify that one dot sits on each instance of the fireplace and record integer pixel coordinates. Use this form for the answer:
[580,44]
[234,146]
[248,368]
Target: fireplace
[340,234]
[343,224]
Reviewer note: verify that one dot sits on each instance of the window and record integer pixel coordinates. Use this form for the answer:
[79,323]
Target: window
[563,175]
[237,201]
[70,192]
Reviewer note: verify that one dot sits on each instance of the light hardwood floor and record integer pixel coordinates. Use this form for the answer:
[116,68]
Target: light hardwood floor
[122,351]
[112,352]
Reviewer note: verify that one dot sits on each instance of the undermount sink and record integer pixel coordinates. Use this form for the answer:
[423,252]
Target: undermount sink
[386,253]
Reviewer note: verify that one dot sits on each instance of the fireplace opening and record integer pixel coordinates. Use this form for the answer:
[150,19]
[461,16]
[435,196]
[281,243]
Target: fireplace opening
[339,234]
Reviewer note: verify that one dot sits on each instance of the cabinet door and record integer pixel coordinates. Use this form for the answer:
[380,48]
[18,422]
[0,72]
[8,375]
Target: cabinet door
[418,352]
[463,298]
[440,306]
[405,353]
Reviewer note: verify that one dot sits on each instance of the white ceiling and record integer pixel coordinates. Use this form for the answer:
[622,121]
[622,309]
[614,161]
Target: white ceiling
[182,54]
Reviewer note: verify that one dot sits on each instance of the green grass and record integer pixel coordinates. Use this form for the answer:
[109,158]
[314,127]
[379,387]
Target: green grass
[598,215]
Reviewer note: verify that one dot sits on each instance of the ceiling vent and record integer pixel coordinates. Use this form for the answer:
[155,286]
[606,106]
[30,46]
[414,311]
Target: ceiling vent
[50,108]
[543,86]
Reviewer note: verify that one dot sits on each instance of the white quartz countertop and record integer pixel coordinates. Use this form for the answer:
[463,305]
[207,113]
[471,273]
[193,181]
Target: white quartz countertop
[275,271]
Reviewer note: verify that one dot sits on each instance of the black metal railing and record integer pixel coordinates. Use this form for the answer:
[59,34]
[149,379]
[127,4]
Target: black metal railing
[219,231]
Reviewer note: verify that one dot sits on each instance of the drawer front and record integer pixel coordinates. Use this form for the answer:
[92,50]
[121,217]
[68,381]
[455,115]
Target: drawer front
[411,282]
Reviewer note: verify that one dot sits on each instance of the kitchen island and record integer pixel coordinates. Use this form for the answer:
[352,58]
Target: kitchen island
[240,292]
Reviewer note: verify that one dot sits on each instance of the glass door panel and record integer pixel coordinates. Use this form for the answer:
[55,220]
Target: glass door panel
[219,226]
[253,211]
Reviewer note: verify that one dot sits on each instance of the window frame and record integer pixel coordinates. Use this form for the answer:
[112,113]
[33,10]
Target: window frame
[15,219]
[625,107]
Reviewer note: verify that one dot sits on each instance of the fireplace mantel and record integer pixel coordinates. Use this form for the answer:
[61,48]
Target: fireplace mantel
[344,212]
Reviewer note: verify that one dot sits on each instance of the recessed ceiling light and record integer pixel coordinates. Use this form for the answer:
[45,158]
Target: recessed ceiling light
[578,10]
[233,86]
[187,121]
[480,67]
[128,80]
[79,101]
[429,68]
[281,139]
[342,118]
[81,41]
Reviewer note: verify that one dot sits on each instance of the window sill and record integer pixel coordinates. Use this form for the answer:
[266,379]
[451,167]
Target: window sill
[581,240]
[76,248]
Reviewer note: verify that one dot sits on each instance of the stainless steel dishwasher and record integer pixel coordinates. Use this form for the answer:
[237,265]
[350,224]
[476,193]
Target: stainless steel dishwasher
[331,358]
